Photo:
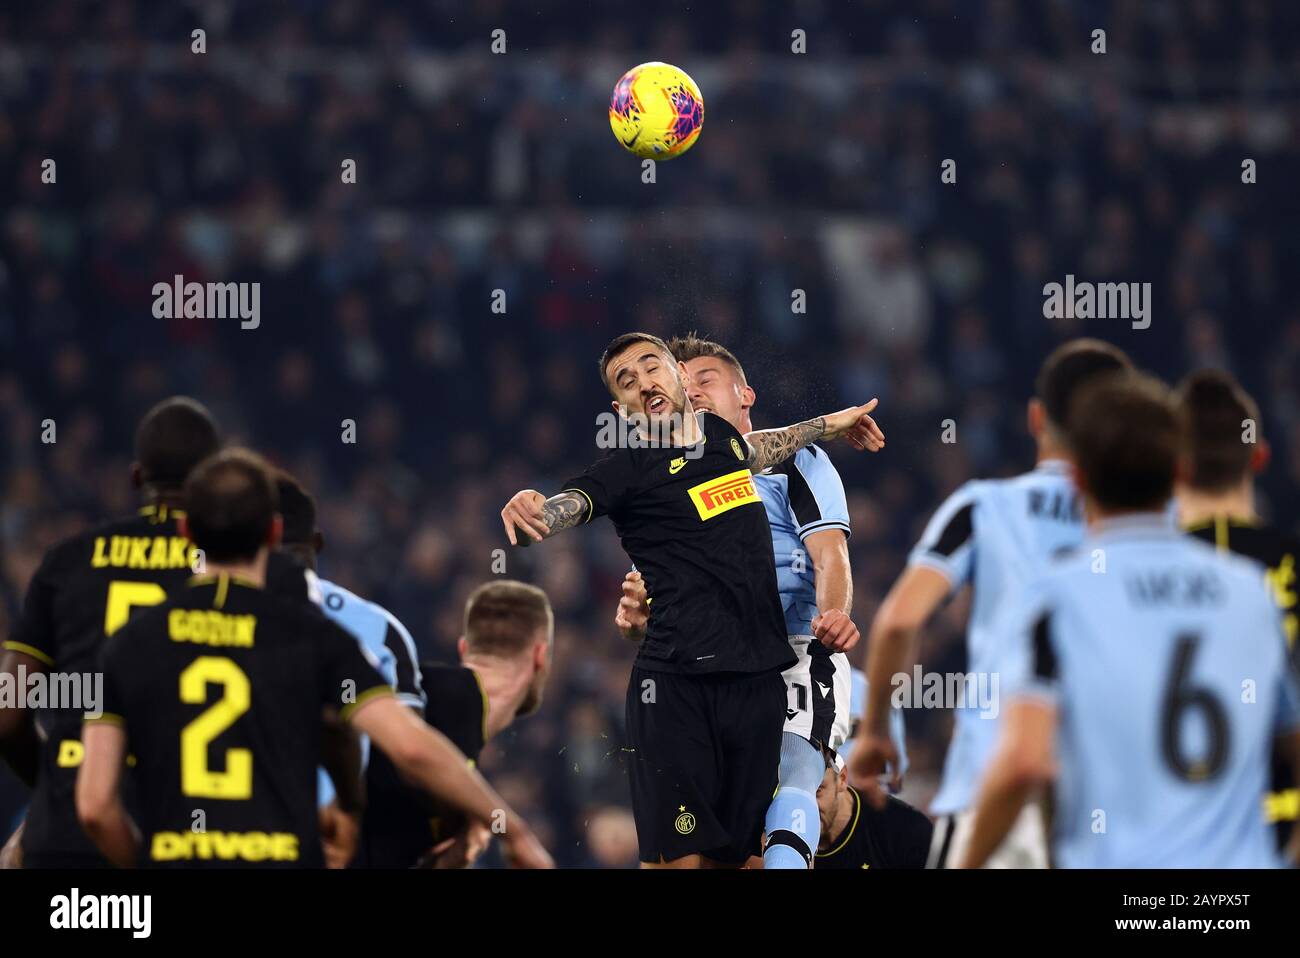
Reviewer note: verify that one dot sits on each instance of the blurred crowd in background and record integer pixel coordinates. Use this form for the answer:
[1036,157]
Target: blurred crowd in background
[478,172]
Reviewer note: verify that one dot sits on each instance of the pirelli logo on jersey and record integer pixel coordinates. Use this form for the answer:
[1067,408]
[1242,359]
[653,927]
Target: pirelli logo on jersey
[716,496]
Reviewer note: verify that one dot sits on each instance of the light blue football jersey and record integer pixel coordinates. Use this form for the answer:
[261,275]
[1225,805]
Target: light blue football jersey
[1167,664]
[389,646]
[994,534]
[802,495]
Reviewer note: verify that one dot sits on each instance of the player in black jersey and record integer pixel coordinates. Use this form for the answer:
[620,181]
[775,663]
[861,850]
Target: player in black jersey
[505,658]
[218,693]
[856,835]
[505,654]
[706,702]
[1216,502]
[84,590]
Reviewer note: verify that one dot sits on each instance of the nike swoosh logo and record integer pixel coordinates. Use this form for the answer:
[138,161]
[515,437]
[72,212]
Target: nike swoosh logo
[676,466]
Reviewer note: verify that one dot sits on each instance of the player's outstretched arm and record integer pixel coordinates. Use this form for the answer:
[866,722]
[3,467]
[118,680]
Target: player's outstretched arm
[1023,762]
[428,759]
[99,801]
[771,446]
[19,745]
[891,645]
[536,517]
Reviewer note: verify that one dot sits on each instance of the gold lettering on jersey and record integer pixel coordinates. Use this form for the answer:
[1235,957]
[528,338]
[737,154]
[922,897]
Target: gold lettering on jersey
[1281,580]
[71,752]
[716,496]
[142,552]
[210,627]
[224,846]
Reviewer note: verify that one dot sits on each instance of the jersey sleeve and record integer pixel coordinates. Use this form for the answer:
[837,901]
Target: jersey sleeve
[1030,660]
[34,633]
[348,675]
[816,493]
[948,543]
[406,665]
[115,669]
[605,484]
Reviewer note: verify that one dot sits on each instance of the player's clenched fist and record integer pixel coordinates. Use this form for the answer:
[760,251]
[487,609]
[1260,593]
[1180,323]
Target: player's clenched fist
[633,609]
[523,513]
[835,630]
[856,426]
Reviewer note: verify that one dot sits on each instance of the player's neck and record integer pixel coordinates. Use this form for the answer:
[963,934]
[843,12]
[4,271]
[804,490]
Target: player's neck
[841,816]
[690,432]
[171,499]
[1049,448]
[1195,507]
[253,571]
[504,684]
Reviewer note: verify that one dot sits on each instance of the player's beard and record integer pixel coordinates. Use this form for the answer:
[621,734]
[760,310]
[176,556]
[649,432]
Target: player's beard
[665,424]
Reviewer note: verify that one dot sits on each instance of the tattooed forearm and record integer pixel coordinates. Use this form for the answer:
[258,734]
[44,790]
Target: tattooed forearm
[564,511]
[777,445]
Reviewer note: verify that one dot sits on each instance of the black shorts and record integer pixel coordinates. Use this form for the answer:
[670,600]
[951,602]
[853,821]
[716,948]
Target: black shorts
[704,753]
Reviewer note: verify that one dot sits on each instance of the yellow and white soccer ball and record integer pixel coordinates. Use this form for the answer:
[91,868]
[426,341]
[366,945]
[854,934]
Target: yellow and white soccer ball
[656,111]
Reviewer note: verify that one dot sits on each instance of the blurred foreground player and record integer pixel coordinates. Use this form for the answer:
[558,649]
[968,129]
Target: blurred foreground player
[378,631]
[993,535]
[84,591]
[218,693]
[1216,503]
[1128,670]
[706,702]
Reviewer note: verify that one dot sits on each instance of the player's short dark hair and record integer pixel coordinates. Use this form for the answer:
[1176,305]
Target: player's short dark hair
[297,510]
[172,438]
[230,503]
[1214,407]
[1071,366]
[691,346]
[1125,432]
[504,616]
[625,341]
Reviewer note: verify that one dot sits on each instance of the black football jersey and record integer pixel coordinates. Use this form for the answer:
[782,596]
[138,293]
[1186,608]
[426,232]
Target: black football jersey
[1278,551]
[694,525]
[897,836]
[401,823]
[221,689]
[86,588]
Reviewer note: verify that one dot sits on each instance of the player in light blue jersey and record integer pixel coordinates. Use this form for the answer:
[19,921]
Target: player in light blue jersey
[1147,674]
[809,517]
[992,535]
[385,640]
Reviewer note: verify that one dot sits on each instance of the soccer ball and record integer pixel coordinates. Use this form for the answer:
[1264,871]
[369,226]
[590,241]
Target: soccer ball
[656,111]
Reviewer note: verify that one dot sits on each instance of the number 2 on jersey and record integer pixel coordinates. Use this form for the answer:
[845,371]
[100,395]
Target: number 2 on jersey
[197,779]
